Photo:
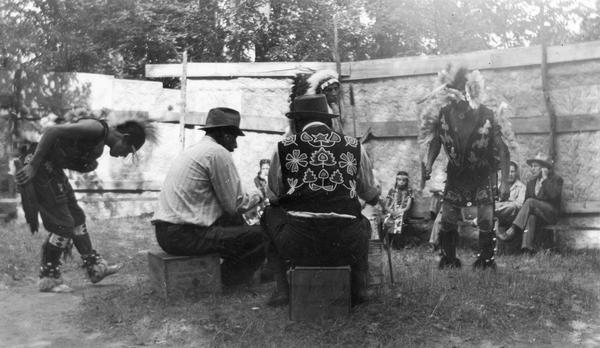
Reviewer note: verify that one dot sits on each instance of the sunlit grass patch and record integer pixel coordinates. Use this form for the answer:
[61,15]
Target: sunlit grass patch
[528,299]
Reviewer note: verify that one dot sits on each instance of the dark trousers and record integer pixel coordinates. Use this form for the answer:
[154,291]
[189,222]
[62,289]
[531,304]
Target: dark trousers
[56,200]
[318,242]
[451,214]
[242,247]
[506,212]
[533,213]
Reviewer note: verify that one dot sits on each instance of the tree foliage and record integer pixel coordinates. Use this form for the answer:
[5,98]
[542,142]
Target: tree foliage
[120,37]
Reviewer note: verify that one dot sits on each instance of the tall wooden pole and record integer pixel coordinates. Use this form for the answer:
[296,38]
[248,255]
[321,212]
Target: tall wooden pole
[546,87]
[338,62]
[183,101]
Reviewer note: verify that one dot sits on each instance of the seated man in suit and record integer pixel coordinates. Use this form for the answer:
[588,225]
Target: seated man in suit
[542,202]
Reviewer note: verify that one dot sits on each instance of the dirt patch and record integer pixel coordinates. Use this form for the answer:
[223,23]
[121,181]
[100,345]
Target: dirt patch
[29,318]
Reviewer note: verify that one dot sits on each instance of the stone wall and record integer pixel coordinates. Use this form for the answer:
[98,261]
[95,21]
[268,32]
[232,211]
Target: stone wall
[391,97]
[574,92]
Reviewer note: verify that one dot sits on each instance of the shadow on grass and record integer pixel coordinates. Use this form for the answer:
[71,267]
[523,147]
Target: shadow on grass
[426,307]
[528,300]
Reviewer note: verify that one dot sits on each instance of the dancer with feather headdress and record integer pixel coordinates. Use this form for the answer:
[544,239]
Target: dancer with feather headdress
[75,146]
[320,82]
[455,118]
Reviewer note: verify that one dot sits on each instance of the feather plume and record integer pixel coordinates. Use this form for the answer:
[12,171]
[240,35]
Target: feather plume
[28,201]
[299,86]
[114,120]
[456,83]
[502,113]
[474,89]
[320,77]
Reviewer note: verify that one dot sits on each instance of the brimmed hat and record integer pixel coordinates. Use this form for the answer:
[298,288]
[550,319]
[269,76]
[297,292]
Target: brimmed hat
[310,106]
[543,160]
[223,117]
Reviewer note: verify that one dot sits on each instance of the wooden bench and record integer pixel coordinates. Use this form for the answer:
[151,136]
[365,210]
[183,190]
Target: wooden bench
[319,293]
[184,276]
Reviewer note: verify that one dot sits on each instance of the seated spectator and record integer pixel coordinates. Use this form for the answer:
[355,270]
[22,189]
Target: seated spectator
[318,176]
[252,217]
[261,178]
[201,202]
[506,210]
[398,203]
[542,202]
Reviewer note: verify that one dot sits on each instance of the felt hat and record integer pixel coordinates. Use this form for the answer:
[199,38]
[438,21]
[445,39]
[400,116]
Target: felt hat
[542,160]
[311,107]
[223,117]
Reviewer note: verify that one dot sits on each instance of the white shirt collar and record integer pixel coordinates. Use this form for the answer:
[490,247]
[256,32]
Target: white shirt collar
[313,124]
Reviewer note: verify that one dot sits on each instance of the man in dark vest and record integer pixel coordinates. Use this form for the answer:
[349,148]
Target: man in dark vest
[318,175]
[472,139]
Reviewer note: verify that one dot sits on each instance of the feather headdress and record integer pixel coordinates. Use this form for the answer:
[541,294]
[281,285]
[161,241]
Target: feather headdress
[320,80]
[315,83]
[117,120]
[459,84]
[137,117]
[299,86]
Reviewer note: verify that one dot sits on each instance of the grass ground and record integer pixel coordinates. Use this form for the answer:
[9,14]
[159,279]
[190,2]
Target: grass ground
[528,301]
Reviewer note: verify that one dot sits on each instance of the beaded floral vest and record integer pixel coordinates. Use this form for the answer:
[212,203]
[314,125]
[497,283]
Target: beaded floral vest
[320,169]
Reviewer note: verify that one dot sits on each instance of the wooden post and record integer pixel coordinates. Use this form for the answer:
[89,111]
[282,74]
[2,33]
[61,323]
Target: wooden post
[353,107]
[546,88]
[338,63]
[183,101]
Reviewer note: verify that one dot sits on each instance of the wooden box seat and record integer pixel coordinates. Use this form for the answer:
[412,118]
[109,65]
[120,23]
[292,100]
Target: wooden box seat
[184,276]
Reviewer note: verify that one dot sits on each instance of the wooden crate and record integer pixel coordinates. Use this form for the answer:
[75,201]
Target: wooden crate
[184,276]
[319,292]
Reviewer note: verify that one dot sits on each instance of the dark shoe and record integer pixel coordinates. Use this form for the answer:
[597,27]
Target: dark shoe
[357,300]
[102,270]
[433,247]
[266,274]
[506,235]
[483,264]
[447,262]
[278,299]
[51,284]
[97,268]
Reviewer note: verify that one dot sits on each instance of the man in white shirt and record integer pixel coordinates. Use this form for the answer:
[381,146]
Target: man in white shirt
[202,199]
[506,211]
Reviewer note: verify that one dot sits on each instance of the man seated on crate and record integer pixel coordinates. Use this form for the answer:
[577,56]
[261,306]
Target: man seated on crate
[542,202]
[506,210]
[202,199]
[318,176]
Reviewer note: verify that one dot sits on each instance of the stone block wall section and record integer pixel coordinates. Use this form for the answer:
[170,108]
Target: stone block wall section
[385,94]
[390,101]
[386,91]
